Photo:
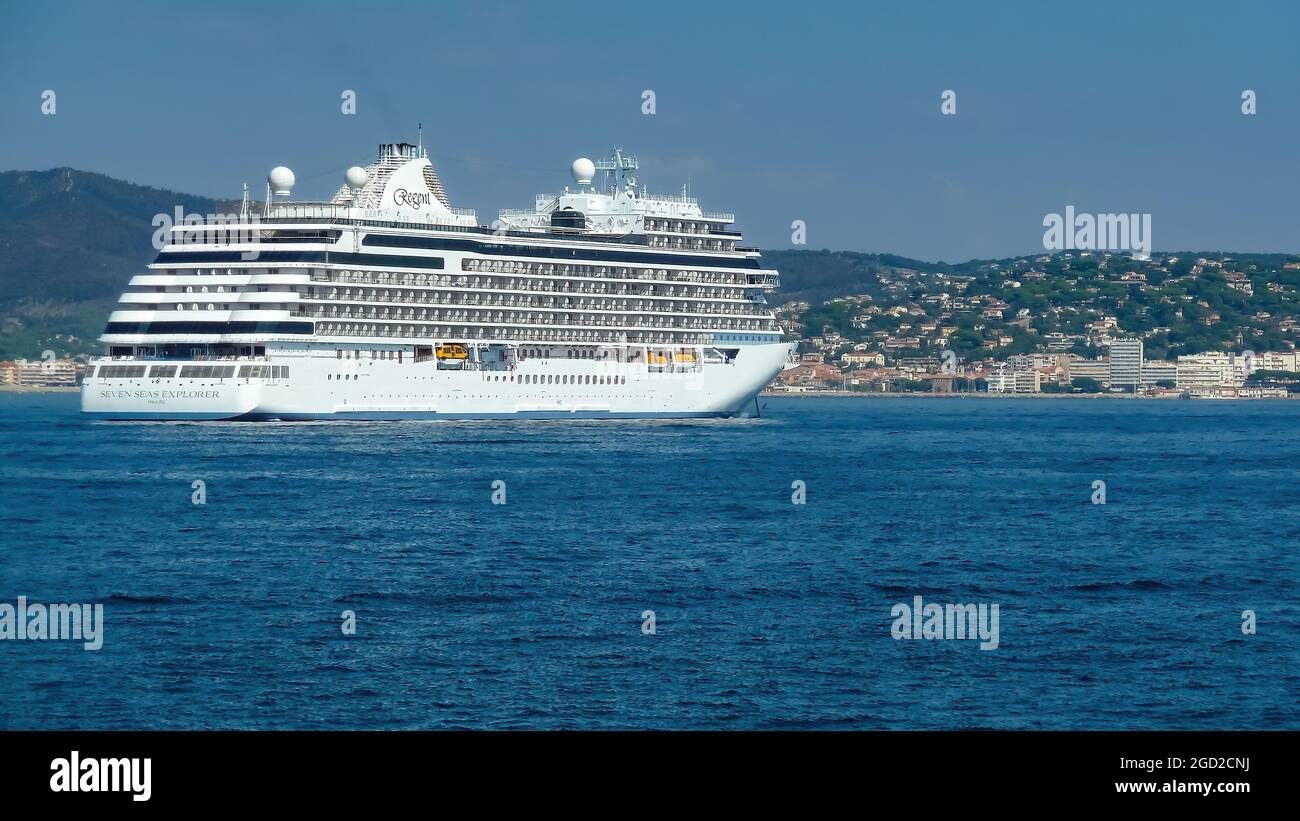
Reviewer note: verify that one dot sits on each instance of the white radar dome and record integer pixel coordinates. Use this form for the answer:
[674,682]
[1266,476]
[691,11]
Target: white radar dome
[281,180]
[583,170]
[356,177]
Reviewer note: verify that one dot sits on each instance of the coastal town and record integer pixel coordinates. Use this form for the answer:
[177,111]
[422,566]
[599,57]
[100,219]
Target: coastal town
[1085,323]
[1214,375]
[42,373]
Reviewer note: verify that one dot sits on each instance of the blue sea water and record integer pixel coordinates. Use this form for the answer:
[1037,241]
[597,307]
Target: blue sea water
[768,614]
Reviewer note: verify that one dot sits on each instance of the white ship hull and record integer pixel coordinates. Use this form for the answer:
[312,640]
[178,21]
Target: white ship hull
[324,387]
[387,303]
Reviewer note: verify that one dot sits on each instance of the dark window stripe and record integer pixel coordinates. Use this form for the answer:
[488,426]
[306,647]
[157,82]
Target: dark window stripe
[465,245]
[170,257]
[511,250]
[167,327]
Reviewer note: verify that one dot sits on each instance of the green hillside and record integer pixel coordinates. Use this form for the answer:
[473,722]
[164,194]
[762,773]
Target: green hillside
[69,242]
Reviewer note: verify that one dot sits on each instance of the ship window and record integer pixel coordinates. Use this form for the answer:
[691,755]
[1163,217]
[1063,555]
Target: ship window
[121,372]
[207,371]
[338,353]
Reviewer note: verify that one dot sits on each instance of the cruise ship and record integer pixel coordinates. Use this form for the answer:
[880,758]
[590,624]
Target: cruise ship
[602,301]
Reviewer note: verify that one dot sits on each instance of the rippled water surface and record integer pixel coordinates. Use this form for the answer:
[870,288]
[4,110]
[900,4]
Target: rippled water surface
[767,614]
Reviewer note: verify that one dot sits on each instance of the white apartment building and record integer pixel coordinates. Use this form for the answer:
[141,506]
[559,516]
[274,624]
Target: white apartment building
[1009,381]
[1154,371]
[1211,369]
[1035,361]
[1278,361]
[1098,369]
[46,372]
[1126,364]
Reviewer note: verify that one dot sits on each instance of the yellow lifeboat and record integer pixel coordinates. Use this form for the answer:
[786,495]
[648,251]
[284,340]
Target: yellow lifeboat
[452,352]
[685,357]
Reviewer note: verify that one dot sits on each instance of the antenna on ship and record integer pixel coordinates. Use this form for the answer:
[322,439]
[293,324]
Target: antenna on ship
[419,138]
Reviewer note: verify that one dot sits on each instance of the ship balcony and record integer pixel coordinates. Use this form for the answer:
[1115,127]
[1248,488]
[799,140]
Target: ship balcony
[453,318]
[621,306]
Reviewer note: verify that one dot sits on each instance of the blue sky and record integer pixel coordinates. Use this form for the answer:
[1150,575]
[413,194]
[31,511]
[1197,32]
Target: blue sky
[821,111]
